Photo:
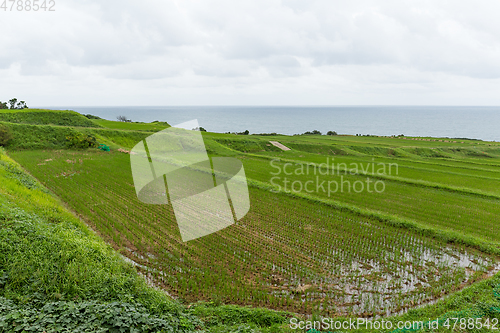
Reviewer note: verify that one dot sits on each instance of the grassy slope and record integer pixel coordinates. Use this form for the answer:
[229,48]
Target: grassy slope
[27,136]
[48,255]
[46,117]
[466,154]
[39,129]
[477,300]
[52,264]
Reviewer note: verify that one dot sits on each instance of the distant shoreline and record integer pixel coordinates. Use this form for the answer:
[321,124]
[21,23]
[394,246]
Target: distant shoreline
[474,122]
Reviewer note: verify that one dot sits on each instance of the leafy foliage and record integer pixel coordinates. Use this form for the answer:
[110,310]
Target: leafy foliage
[91,116]
[79,140]
[314,132]
[13,103]
[5,135]
[86,316]
[123,119]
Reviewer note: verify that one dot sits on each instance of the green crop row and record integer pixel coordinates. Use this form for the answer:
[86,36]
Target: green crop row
[287,253]
[464,213]
[57,275]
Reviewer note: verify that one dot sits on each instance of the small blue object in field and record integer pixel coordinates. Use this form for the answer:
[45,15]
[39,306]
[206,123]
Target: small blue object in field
[104,147]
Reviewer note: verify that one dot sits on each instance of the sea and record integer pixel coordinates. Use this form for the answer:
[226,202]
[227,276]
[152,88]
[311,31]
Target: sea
[474,122]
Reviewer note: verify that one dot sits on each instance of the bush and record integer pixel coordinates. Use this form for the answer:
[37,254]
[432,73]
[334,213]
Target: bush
[80,140]
[331,133]
[315,132]
[91,116]
[5,135]
[124,119]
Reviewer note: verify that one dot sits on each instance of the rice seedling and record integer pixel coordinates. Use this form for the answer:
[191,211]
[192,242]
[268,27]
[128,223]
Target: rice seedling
[287,253]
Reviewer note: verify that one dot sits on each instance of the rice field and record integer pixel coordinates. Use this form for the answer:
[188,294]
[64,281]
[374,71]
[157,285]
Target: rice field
[462,211]
[290,252]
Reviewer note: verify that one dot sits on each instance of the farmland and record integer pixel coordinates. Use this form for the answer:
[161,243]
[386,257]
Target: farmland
[427,227]
[295,252]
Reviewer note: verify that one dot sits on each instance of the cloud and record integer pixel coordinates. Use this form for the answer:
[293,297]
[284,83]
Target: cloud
[359,48]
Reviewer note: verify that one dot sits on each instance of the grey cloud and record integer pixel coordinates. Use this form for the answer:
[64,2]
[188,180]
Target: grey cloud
[252,43]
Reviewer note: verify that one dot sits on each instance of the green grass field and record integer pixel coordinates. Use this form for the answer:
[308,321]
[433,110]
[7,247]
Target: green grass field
[431,231]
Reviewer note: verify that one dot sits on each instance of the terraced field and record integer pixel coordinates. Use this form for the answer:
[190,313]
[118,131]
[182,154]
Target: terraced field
[432,230]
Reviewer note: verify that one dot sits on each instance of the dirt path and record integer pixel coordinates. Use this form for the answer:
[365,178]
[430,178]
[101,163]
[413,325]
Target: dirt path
[279,145]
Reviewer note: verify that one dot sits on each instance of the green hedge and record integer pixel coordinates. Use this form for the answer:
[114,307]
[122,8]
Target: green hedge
[46,117]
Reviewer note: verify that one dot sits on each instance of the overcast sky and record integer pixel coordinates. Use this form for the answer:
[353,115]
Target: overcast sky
[252,52]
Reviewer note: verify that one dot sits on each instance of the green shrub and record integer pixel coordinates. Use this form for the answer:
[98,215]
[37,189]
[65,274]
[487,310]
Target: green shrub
[314,132]
[5,135]
[80,140]
[91,116]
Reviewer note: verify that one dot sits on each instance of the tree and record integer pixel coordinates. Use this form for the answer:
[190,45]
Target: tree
[3,105]
[12,103]
[124,119]
[331,133]
[315,132]
[21,105]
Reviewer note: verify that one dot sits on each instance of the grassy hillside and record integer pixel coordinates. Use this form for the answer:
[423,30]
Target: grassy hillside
[431,232]
[33,223]
[25,137]
[51,262]
[57,275]
[39,129]
[46,117]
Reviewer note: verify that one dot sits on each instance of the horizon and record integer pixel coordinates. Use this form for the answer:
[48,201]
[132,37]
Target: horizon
[269,105]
